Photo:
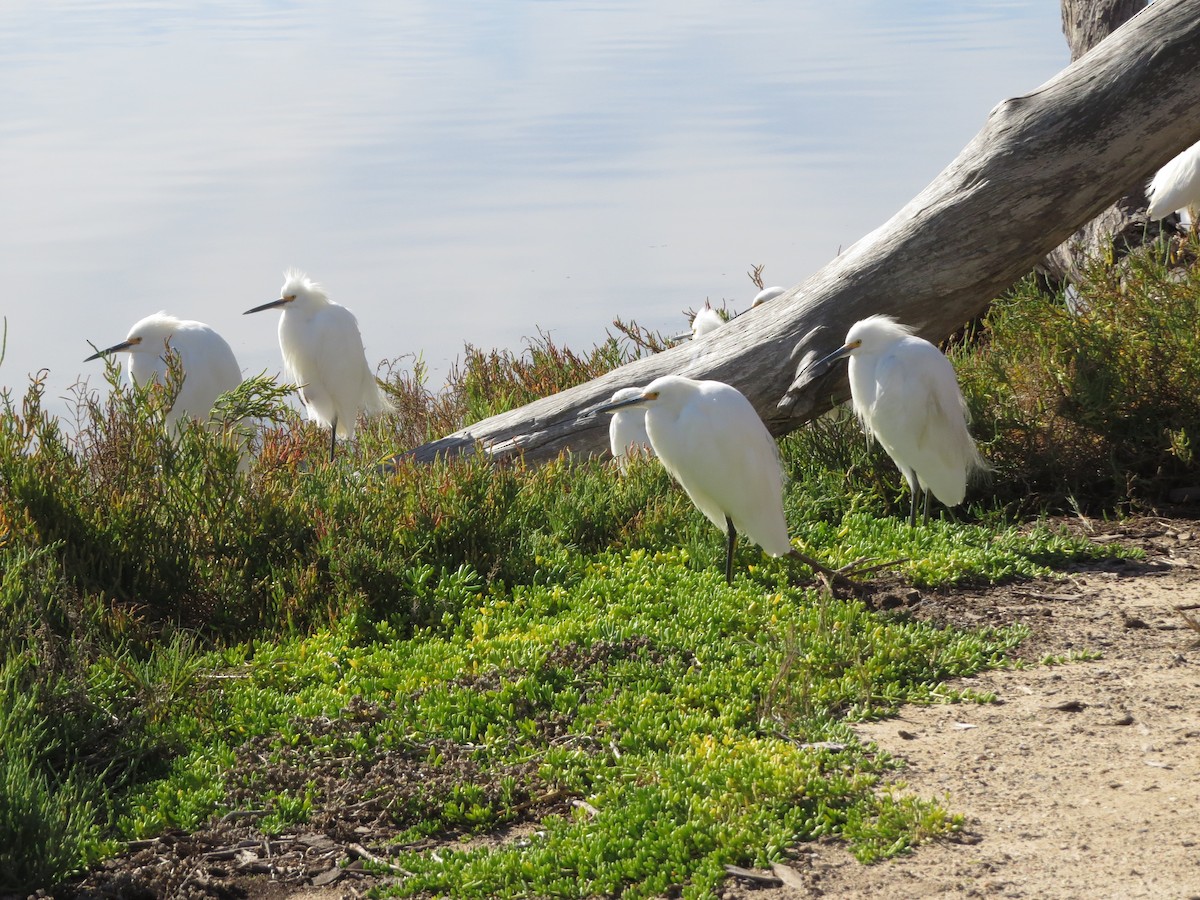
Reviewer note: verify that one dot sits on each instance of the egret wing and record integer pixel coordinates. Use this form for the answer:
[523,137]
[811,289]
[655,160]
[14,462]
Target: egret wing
[338,383]
[1176,185]
[727,461]
[920,418]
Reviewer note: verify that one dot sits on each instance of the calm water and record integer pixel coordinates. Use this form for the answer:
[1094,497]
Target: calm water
[464,172]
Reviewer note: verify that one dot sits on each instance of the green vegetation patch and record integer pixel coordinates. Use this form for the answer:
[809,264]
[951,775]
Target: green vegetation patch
[528,680]
[693,724]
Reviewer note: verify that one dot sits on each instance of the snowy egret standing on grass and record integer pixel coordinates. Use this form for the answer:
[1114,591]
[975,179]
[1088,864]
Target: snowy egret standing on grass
[209,366]
[323,352]
[713,443]
[627,430]
[906,396]
[1176,186]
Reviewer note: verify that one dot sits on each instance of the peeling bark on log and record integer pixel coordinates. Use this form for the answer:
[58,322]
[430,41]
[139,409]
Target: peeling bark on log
[1044,164]
[1123,225]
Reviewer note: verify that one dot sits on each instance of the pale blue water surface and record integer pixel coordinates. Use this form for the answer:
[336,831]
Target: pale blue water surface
[464,172]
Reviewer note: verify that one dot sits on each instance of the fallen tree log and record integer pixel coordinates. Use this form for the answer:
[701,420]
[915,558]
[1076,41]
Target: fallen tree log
[1124,225]
[1043,164]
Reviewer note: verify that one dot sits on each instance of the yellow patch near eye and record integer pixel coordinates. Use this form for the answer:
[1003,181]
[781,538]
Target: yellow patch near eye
[653,395]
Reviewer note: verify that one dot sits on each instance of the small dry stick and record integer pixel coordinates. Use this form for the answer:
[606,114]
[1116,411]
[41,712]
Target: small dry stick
[1190,621]
[363,853]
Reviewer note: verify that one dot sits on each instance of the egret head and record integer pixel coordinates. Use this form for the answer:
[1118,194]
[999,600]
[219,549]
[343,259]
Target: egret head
[150,335]
[626,398]
[298,291]
[667,392]
[869,335]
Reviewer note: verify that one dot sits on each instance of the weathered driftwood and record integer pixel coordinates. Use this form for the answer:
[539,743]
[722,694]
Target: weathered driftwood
[1085,23]
[1123,225]
[1044,164]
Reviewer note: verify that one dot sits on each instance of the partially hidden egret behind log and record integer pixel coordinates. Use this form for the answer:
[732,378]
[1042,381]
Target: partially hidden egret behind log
[705,321]
[767,294]
[627,430]
[906,396]
[1176,186]
[708,320]
[323,353]
[209,366]
[711,440]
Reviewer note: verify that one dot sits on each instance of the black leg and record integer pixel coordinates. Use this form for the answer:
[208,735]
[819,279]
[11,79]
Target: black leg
[926,490]
[912,510]
[333,439]
[731,532]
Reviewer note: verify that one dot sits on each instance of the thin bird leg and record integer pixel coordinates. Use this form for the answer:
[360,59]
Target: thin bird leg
[333,439]
[731,533]
[912,510]
[926,492]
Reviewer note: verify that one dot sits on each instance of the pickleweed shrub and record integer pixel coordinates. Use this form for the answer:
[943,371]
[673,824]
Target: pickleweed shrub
[491,382]
[1097,407]
[53,805]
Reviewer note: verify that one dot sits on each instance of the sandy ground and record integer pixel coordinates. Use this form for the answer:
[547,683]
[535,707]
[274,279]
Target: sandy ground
[1080,781]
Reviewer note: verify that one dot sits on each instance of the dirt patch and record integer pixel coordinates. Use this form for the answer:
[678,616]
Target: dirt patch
[1079,781]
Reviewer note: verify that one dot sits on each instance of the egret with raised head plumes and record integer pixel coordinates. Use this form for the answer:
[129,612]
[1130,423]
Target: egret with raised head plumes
[323,353]
[706,321]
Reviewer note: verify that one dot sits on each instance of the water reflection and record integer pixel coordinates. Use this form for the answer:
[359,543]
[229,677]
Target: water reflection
[458,172]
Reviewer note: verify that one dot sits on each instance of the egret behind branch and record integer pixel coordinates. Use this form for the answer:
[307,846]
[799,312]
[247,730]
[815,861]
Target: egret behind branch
[323,353]
[767,294]
[209,366]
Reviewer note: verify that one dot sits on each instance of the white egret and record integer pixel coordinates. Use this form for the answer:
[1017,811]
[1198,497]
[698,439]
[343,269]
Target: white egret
[767,294]
[323,353]
[706,321]
[906,396]
[1176,186]
[713,443]
[209,366]
[627,430]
